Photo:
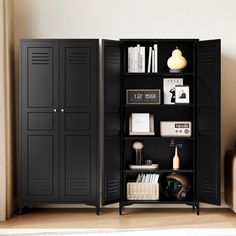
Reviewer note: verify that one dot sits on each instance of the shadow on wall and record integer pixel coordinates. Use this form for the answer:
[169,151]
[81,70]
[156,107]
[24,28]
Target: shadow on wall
[228,97]
[22,28]
[228,107]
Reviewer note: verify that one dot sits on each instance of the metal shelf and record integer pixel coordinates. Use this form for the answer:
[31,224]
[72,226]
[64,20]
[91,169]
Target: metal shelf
[159,171]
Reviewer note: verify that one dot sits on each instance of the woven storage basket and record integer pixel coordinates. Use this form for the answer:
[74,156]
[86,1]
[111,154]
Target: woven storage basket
[142,191]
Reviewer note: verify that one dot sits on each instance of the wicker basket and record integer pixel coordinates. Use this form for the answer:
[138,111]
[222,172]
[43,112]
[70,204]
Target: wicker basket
[142,191]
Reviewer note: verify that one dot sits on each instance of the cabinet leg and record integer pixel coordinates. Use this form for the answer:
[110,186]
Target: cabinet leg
[120,209]
[198,209]
[20,210]
[23,210]
[97,209]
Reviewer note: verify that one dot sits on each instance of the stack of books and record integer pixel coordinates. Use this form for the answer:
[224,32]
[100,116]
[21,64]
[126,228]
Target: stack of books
[146,187]
[136,59]
[147,178]
[153,59]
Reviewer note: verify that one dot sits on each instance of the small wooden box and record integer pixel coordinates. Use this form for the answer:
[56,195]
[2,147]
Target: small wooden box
[142,191]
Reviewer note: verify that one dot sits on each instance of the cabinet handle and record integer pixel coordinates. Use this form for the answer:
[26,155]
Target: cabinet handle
[62,110]
[55,110]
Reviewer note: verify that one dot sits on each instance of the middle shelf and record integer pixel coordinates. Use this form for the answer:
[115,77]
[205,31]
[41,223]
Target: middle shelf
[156,138]
[159,171]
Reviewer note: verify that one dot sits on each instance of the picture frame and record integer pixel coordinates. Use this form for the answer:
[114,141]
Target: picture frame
[143,96]
[151,127]
[169,85]
[182,95]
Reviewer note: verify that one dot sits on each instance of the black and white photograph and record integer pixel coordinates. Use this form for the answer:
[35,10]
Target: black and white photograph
[182,94]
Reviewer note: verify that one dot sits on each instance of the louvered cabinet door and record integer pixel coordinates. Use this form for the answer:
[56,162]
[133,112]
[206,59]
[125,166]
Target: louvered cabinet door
[112,122]
[208,122]
[78,120]
[39,121]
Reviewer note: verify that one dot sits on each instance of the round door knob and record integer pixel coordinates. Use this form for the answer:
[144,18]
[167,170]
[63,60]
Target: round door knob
[55,110]
[62,110]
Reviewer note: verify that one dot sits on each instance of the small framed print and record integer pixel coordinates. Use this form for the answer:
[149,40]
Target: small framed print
[182,94]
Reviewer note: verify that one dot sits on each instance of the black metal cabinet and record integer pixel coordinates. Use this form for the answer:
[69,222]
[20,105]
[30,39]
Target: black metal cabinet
[59,122]
[201,152]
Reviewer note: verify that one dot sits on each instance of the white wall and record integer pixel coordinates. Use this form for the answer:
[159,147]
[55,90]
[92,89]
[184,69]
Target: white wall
[114,19]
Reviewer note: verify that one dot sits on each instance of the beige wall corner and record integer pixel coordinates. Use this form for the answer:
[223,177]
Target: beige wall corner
[2,120]
[9,103]
[6,108]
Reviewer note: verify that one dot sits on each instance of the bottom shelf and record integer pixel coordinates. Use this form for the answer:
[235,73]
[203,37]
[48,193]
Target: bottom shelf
[128,202]
[169,188]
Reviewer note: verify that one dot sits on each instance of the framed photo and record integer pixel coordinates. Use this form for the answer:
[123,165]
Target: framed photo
[141,124]
[169,89]
[182,94]
[143,96]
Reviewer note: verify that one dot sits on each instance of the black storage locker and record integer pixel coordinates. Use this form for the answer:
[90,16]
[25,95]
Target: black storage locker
[201,151]
[59,151]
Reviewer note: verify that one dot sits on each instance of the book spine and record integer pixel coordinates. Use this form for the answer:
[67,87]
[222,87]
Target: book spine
[142,54]
[129,60]
[153,61]
[149,60]
[132,56]
[135,59]
[155,55]
[138,58]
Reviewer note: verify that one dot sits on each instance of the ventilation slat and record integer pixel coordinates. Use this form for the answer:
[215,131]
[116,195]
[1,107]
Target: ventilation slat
[40,58]
[79,58]
[113,187]
[77,184]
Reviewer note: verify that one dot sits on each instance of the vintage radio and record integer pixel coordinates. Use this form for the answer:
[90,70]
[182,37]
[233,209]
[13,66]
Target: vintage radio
[176,128]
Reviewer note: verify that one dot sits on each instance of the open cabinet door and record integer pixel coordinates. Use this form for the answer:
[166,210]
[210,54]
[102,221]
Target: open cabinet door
[208,122]
[112,121]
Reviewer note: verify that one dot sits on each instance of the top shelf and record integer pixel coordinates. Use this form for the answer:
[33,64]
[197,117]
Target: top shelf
[160,74]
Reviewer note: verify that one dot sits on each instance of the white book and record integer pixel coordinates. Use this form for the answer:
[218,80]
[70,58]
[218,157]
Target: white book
[140,122]
[138,58]
[135,59]
[150,179]
[149,60]
[132,58]
[143,178]
[138,178]
[156,178]
[153,178]
[142,59]
[129,59]
[153,61]
[156,60]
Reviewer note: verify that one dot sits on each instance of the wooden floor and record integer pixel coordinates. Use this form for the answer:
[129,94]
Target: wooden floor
[132,218]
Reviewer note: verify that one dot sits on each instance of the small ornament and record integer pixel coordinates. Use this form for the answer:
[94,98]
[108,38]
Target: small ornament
[176,62]
[148,162]
[176,159]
